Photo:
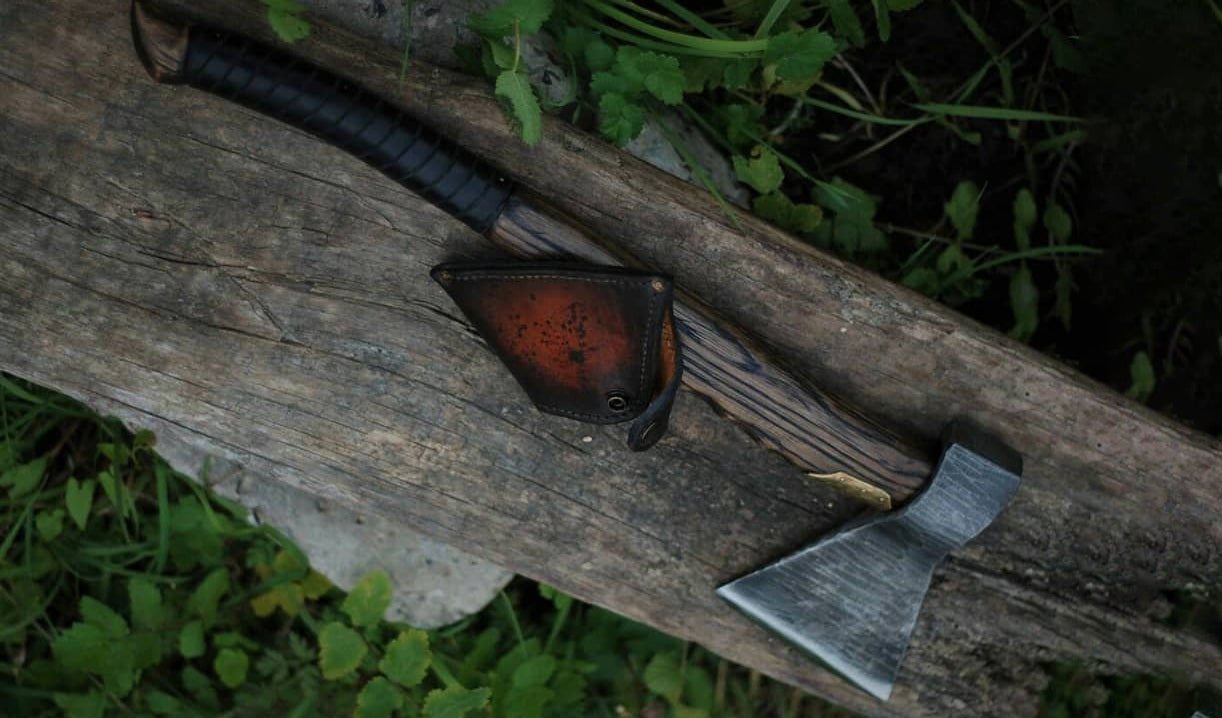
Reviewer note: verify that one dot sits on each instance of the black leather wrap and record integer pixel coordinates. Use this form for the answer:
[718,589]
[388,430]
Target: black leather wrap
[279,85]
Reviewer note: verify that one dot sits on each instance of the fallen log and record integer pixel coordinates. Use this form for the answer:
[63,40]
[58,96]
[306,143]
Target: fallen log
[232,283]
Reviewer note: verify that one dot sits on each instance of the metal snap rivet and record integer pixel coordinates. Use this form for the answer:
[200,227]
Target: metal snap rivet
[617,401]
[658,285]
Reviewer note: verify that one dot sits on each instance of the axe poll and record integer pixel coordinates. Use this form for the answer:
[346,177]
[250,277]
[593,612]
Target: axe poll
[852,598]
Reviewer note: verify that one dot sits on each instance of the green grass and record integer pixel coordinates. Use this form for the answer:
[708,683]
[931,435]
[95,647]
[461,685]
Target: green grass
[127,588]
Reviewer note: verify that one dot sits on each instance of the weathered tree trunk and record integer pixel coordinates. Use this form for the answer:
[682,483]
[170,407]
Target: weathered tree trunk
[230,282]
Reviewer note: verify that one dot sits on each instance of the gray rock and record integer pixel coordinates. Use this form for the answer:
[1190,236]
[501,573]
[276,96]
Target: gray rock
[434,583]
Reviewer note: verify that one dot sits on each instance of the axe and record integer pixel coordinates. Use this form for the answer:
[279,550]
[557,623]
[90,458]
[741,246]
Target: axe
[851,599]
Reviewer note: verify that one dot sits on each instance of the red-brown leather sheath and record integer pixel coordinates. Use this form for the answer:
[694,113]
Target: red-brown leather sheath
[591,343]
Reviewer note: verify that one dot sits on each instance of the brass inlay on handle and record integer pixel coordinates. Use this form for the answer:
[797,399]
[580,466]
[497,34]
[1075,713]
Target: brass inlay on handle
[855,487]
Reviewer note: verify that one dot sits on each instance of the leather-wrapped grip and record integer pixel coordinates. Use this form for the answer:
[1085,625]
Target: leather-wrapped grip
[277,84]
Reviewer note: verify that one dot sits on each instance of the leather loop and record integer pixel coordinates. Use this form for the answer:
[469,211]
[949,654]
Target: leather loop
[591,343]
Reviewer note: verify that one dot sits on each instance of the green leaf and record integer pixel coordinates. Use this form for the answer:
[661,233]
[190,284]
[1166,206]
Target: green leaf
[89,705]
[882,12]
[528,701]
[655,72]
[515,89]
[79,499]
[903,5]
[83,647]
[96,613]
[780,210]
[50,524]
[1025,216]
[619,121]
[737,73]
[664,677]
[701,73]
[407,658]
[962,208]
[800,56]
[286,24]
[499,21]
[165,704]
[454,702]
[1024,302]
[598,55]
[1058,222]
[231,665]
[534,671]
[846,22]
[763,171]
[145,602]
[742,121]
[852,230]
[207,595]
[23,478]
[1141,372]
[191,640]
[368,599]
[340,650]
[378,699]
[200,688]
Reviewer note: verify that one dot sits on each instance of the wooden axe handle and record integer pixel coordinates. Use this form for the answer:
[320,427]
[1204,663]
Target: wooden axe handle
[808,427]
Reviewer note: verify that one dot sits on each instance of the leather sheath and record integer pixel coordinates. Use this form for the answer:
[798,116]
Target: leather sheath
[587,342]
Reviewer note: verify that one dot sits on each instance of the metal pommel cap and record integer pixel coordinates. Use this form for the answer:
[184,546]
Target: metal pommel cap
[160,45]
[852,598]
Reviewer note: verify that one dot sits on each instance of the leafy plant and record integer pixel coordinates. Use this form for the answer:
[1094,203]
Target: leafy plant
[129,589]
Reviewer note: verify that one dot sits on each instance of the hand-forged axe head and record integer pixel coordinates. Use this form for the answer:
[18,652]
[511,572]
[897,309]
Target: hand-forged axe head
[852,598]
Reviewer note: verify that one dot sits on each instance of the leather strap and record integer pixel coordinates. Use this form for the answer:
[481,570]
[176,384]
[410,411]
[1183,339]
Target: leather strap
[278,84]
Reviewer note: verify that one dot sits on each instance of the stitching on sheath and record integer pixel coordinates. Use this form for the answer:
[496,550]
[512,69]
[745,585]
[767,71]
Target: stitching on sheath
[653,302]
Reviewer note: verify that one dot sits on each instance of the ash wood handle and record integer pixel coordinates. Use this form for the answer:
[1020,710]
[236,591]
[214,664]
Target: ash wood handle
[808,427]
[805,425]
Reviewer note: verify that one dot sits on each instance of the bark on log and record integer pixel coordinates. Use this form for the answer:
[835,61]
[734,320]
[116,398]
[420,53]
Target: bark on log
[223,279]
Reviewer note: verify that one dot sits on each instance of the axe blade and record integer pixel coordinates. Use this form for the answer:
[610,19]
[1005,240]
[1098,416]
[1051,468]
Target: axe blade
[851,599]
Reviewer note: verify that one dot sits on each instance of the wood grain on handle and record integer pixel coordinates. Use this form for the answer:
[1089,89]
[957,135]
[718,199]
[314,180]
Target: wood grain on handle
[805,425]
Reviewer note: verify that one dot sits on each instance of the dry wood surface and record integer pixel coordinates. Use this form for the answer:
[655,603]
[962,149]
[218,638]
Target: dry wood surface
[232,283]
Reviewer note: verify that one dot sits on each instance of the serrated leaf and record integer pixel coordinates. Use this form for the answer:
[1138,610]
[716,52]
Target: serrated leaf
[846,22]
[407,658]
[1025,216]
[50,524]
[207,595]
[515,89]
[368,599]
[963,207]
[83,647]
[619,121]
[88,705]
[1024,303]
[499,21]
[96,613]
[144,600]
[527,701]
[598,55]
[534,671]
[659,73]
[378,699]
[191,640]
[1141,374]
[799,56]
[664,677]
[742,121]
[340,650]
[779,209]
[231,665]
[287,26]
[455,702]
[1058,222]
[22,479]
[701,73]
[78,497]
[737,73]
[763,171]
